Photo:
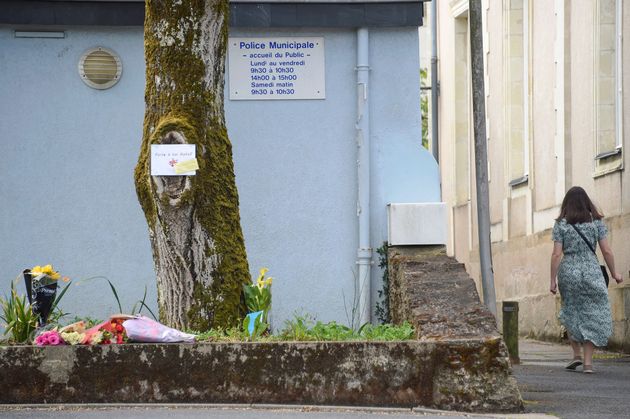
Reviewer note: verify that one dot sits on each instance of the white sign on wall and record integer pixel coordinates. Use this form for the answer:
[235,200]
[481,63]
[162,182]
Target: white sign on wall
[276,68]
[173,160]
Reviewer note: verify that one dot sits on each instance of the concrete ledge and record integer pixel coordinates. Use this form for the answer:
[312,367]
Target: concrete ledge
[468,375]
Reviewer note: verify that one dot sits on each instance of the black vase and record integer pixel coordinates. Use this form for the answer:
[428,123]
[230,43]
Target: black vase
[40,296]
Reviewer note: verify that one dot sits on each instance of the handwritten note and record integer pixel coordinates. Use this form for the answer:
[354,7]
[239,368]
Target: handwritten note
[173,160]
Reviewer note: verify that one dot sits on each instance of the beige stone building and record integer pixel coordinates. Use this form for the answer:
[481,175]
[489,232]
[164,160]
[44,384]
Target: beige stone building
[555,99]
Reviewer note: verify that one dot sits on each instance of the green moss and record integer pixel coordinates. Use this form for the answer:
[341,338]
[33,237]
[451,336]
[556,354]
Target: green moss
[183,102]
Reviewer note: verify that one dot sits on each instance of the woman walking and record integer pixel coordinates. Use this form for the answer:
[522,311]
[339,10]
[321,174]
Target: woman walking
[585,311]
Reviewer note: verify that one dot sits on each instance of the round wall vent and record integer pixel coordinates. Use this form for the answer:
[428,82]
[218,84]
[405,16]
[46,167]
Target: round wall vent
[100,68]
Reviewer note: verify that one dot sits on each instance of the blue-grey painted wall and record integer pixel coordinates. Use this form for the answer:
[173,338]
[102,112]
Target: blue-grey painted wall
[67,193]
[68,153]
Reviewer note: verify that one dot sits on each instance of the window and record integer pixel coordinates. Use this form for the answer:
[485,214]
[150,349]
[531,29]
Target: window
[607,85]
[462,112]
[516,88]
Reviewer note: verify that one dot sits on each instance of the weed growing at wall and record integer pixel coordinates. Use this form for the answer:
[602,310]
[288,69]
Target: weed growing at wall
[303,328]
[352,307]
[424,108]
[382,307]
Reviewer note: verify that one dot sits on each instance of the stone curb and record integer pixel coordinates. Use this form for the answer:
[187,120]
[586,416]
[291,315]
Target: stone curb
[253,406]
[216,406]
[446,413]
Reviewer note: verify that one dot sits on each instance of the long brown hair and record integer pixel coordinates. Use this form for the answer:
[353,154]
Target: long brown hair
[577,207]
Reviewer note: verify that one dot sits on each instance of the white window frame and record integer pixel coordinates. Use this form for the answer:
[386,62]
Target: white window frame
[619,73]
[524,178]
[616,153]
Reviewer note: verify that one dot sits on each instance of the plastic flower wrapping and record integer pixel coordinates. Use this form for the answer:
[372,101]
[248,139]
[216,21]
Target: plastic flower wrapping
[119,329]
[41,289]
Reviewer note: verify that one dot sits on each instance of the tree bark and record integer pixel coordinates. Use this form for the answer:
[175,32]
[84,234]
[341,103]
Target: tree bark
[194,222]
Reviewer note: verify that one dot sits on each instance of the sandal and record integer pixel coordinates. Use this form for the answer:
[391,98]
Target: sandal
[571,366]
[588,369]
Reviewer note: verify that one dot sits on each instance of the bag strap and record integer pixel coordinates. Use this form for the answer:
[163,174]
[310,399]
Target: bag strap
[583,238]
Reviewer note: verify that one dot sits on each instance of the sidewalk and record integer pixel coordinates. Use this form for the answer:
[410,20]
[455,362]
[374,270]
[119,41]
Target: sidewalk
[546,387]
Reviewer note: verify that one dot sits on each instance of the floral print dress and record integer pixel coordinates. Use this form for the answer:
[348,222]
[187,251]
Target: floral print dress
[585,311]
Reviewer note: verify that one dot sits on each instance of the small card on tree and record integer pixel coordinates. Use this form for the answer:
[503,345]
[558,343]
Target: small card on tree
[173,160]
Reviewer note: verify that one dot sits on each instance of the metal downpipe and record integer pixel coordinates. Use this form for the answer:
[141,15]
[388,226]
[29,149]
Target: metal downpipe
[435,146]
[364,253]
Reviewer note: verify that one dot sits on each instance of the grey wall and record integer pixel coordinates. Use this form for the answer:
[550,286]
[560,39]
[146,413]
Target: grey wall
[67,194]
[68,153]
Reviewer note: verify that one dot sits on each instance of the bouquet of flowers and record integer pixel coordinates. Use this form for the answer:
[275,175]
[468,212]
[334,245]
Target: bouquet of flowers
[74,333]
[121,328]
[110,331]
[49,338]
[41,289]
[119,334]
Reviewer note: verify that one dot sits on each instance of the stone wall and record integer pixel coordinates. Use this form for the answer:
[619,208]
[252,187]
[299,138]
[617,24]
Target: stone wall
[443,375]
[434,293]
[458,361]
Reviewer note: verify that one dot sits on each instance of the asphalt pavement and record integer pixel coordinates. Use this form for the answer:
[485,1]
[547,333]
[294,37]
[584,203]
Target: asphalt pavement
[546,387]
[548,391]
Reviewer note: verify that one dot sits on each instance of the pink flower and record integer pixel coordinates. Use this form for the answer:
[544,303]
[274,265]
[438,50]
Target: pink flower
[50,337]
[54,339]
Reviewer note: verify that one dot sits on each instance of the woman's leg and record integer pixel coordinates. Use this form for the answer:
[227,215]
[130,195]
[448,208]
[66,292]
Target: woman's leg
[577,356]
[589,348]
[577,348]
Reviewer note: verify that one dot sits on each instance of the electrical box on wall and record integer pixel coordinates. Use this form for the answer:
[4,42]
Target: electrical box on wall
[416,224]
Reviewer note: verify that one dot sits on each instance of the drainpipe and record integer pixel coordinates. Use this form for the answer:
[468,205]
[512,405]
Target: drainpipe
[435,148]
[364,253]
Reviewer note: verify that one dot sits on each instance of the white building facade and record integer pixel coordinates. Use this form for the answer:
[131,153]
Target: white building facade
[556,77]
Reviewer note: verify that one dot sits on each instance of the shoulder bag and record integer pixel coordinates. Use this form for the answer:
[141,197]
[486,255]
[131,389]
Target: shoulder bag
[603,267]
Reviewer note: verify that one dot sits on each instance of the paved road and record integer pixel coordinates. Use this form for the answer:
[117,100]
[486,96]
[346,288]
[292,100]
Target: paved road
[547,388]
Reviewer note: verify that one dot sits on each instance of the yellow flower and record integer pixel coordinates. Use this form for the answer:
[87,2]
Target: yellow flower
[268,281]
[260,282]
[46,270]
[263,271]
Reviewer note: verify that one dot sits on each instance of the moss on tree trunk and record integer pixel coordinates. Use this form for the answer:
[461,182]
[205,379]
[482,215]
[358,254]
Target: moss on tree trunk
[194,222]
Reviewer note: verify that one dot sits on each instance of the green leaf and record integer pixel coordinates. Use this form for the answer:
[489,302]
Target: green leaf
[59,297]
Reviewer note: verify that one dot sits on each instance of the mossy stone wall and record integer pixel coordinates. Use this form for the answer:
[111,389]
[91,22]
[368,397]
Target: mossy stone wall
[458,375]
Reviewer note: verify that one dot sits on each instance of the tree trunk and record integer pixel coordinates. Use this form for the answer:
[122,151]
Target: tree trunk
[194,222]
